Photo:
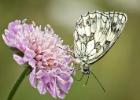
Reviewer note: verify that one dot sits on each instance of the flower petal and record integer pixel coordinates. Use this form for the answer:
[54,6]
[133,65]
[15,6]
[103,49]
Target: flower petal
[60,93]
[32,78]
[18,59]
[64,85]
[51,88]
[41,87]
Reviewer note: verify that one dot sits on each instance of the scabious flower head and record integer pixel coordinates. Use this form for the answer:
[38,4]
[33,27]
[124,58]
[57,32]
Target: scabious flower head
[44,51]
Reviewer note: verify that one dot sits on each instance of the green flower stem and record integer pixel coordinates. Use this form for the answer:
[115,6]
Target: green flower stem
[18,82]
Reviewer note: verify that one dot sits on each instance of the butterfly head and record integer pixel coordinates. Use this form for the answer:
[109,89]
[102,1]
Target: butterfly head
[85,69]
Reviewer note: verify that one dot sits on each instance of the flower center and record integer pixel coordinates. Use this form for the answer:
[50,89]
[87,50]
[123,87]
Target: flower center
[50,63]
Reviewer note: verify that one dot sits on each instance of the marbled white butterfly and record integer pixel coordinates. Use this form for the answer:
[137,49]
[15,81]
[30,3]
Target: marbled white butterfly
[94,35]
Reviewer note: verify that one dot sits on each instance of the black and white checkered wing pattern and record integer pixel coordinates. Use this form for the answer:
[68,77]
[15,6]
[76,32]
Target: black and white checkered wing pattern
[95,33]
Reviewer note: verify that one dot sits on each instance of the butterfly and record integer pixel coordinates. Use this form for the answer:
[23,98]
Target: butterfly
[94,35]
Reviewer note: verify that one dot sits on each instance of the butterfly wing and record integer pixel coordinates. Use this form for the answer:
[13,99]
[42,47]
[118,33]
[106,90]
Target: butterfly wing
[117,23]
[95,34]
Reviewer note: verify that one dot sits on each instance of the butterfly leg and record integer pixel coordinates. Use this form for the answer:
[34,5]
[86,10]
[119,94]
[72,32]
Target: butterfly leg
[80,78]
[86,80]
[98,81]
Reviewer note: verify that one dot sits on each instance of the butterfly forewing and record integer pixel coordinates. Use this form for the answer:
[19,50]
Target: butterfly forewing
[95,33]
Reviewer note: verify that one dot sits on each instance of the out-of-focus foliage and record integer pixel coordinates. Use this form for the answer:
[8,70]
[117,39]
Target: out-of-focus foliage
[118,71]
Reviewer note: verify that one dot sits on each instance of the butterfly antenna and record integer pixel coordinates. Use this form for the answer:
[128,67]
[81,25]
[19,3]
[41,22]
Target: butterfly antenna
[98,81]
[66,50]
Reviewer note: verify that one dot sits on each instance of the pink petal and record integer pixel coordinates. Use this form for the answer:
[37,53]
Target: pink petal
[32,78]
[32,63]
[29,53]
[18,59]
[64,85]
[41,87]
[51,88]
[9,43]
[60,94]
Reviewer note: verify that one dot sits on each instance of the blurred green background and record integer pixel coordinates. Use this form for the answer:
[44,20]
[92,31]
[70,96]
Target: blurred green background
[119,70]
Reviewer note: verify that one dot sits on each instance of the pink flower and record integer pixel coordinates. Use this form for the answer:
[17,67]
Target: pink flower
[51,70]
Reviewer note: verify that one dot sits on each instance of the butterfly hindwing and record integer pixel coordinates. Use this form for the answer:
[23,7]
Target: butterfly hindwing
[117,21]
